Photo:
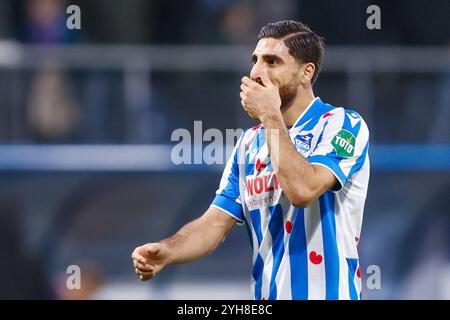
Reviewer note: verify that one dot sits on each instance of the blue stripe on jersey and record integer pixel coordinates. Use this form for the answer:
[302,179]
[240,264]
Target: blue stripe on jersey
[229,205]
[276,229]
[321,135]
[249,165]
[357,128]
[260,139]
[257,275]
[310,125]
[348,125]
[255,216]
[330,163]
[330,250]
[320,111]
[359,163]
[315,111]
[250,237]
[298,257]
[309,114]
[352,264]
[254,148]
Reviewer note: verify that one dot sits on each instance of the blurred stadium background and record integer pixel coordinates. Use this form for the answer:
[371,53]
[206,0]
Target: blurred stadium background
[86,118]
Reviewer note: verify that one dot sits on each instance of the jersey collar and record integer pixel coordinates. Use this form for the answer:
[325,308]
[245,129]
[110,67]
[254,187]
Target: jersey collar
[308,113]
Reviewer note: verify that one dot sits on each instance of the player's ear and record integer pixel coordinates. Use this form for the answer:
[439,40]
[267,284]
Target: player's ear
[307,72]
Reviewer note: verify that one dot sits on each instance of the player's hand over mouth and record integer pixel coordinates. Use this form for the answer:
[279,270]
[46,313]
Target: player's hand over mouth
[260,100]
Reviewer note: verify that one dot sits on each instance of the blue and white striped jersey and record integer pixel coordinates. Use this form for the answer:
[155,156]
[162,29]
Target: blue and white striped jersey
[301,253]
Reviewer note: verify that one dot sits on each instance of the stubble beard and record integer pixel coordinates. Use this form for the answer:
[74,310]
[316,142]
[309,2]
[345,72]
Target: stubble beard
[288,93]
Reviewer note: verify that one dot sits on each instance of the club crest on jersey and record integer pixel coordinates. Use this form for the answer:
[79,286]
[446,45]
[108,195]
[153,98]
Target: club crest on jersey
[303,142]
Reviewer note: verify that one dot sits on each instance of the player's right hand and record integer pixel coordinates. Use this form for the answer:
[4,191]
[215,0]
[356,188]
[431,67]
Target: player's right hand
[149,259]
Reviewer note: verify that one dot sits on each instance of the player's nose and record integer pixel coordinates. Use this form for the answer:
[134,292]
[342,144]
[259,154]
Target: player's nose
[256,70]
[255,75]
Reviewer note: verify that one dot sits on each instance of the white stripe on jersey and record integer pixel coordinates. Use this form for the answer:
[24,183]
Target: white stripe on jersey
[266,253]
[334,127]
[341,232]
[316,272]
[363,135]
[283,277]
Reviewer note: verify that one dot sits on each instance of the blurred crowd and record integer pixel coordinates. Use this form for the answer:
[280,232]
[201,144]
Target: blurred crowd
[222,21]
[50,104]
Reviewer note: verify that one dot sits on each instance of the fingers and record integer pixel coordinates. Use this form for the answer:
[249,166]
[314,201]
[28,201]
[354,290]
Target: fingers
[244,92]
[265,78]
[140,272]
[144,270]
[248,82]
[136,256]
[138,260]
[145,277]
[243,99]
[145,273]
[143,267]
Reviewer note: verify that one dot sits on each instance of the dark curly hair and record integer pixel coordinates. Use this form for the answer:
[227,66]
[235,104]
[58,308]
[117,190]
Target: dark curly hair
[303,43]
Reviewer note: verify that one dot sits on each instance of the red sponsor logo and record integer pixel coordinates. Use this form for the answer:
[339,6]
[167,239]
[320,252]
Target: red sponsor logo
[261,184]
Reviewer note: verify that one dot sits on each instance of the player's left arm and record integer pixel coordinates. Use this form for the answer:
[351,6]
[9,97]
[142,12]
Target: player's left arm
[301,181]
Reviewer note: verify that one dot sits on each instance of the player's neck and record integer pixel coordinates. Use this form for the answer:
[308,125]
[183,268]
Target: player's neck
[301,102]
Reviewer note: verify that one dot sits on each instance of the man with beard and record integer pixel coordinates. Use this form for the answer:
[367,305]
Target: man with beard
[298,181]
